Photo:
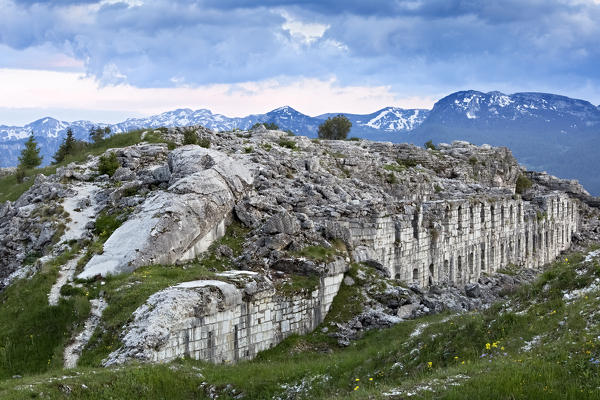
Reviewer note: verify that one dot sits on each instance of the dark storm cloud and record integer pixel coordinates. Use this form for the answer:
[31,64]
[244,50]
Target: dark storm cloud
[438,43]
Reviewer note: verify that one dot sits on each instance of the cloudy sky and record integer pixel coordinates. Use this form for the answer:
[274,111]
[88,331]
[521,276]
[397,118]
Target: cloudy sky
[111,59]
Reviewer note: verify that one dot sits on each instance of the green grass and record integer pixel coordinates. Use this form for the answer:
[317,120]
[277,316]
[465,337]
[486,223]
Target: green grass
[446,354]
[126,292]
[32,333]
[10,189]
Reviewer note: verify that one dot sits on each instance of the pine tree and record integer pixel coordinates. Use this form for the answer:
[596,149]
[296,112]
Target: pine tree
[98,134]
[66,148]
[30,155]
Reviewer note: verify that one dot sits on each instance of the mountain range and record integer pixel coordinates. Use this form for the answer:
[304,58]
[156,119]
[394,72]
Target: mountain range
[545,131]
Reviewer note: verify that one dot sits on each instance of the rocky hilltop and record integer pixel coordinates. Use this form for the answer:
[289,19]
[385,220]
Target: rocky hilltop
[280,225]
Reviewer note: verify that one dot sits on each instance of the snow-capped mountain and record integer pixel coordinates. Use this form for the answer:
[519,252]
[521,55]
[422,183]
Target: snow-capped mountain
[389,119]
[472,109]
[49,132]
[544,131]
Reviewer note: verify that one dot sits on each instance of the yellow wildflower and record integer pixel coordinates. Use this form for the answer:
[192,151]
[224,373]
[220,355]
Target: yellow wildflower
[357,379]
[370,379]
[355,387]
[487,346]
[495,344]
[429,364]
[502,348]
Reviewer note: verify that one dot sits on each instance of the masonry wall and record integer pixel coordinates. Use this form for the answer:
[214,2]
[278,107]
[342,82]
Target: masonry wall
[252,325]
[455,241]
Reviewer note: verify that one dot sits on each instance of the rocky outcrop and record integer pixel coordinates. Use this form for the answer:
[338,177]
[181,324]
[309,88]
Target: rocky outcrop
[181,222]
[29,226]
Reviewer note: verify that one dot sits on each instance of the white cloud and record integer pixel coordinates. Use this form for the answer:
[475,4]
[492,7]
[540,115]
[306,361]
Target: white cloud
[36,89]
[304,32]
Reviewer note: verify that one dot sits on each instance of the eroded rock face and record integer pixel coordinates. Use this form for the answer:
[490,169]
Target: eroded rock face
[181,222]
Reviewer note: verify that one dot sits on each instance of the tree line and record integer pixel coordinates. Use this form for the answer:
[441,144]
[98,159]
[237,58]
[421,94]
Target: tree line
[30,157]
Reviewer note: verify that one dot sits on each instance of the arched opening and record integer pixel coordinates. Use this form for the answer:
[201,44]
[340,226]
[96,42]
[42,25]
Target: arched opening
[492,216]
[501,215]
[471,217]
[415,224]
[459,217]
[416,275]
[459,277]
[483,257]
[510,213]
[471,263]
[431,274]
[482,213]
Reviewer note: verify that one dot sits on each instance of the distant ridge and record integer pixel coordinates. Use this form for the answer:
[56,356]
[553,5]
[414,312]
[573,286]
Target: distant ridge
[545,131]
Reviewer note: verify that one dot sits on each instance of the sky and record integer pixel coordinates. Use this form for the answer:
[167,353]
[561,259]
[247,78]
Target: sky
[113,59]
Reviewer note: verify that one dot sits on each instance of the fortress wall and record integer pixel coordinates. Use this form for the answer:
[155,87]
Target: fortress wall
[457,240]
[249,326]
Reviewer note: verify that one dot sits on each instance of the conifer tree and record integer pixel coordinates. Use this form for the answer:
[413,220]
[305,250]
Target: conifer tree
[67,147]
[30,155]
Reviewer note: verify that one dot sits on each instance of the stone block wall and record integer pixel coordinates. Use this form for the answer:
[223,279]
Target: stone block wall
[249,326]
[454,241]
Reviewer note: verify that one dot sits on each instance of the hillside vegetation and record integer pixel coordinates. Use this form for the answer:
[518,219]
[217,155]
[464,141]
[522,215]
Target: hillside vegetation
[541,342]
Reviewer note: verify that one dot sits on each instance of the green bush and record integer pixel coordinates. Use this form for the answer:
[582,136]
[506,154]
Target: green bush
[190,136]
[204,142]
[335,128]
[429,145]
[523,183]
[290,144]
[271,126]
[108,164]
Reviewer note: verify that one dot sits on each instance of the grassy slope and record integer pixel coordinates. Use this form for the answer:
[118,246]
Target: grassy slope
[11,190]
[560,363]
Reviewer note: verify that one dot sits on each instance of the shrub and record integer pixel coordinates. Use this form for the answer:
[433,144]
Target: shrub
[248,149]
[272,126]
[204,142]
[429,145]
[335,128]
[108,164]
[189,136]
[523,183]
[20,174]
[290,144]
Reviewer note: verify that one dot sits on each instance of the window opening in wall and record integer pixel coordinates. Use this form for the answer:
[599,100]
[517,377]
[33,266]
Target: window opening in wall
[501,215]
[459,277]
[526,244]
[431,269]
[482,213]
[471,217]
[511,214]
[459,217]
[546,239]
[483,257]
[471,263]
[534,247]
[519,247]
[415,223]
[502,254]
[520,212]
[416,275]
[492,216]
[492,257]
